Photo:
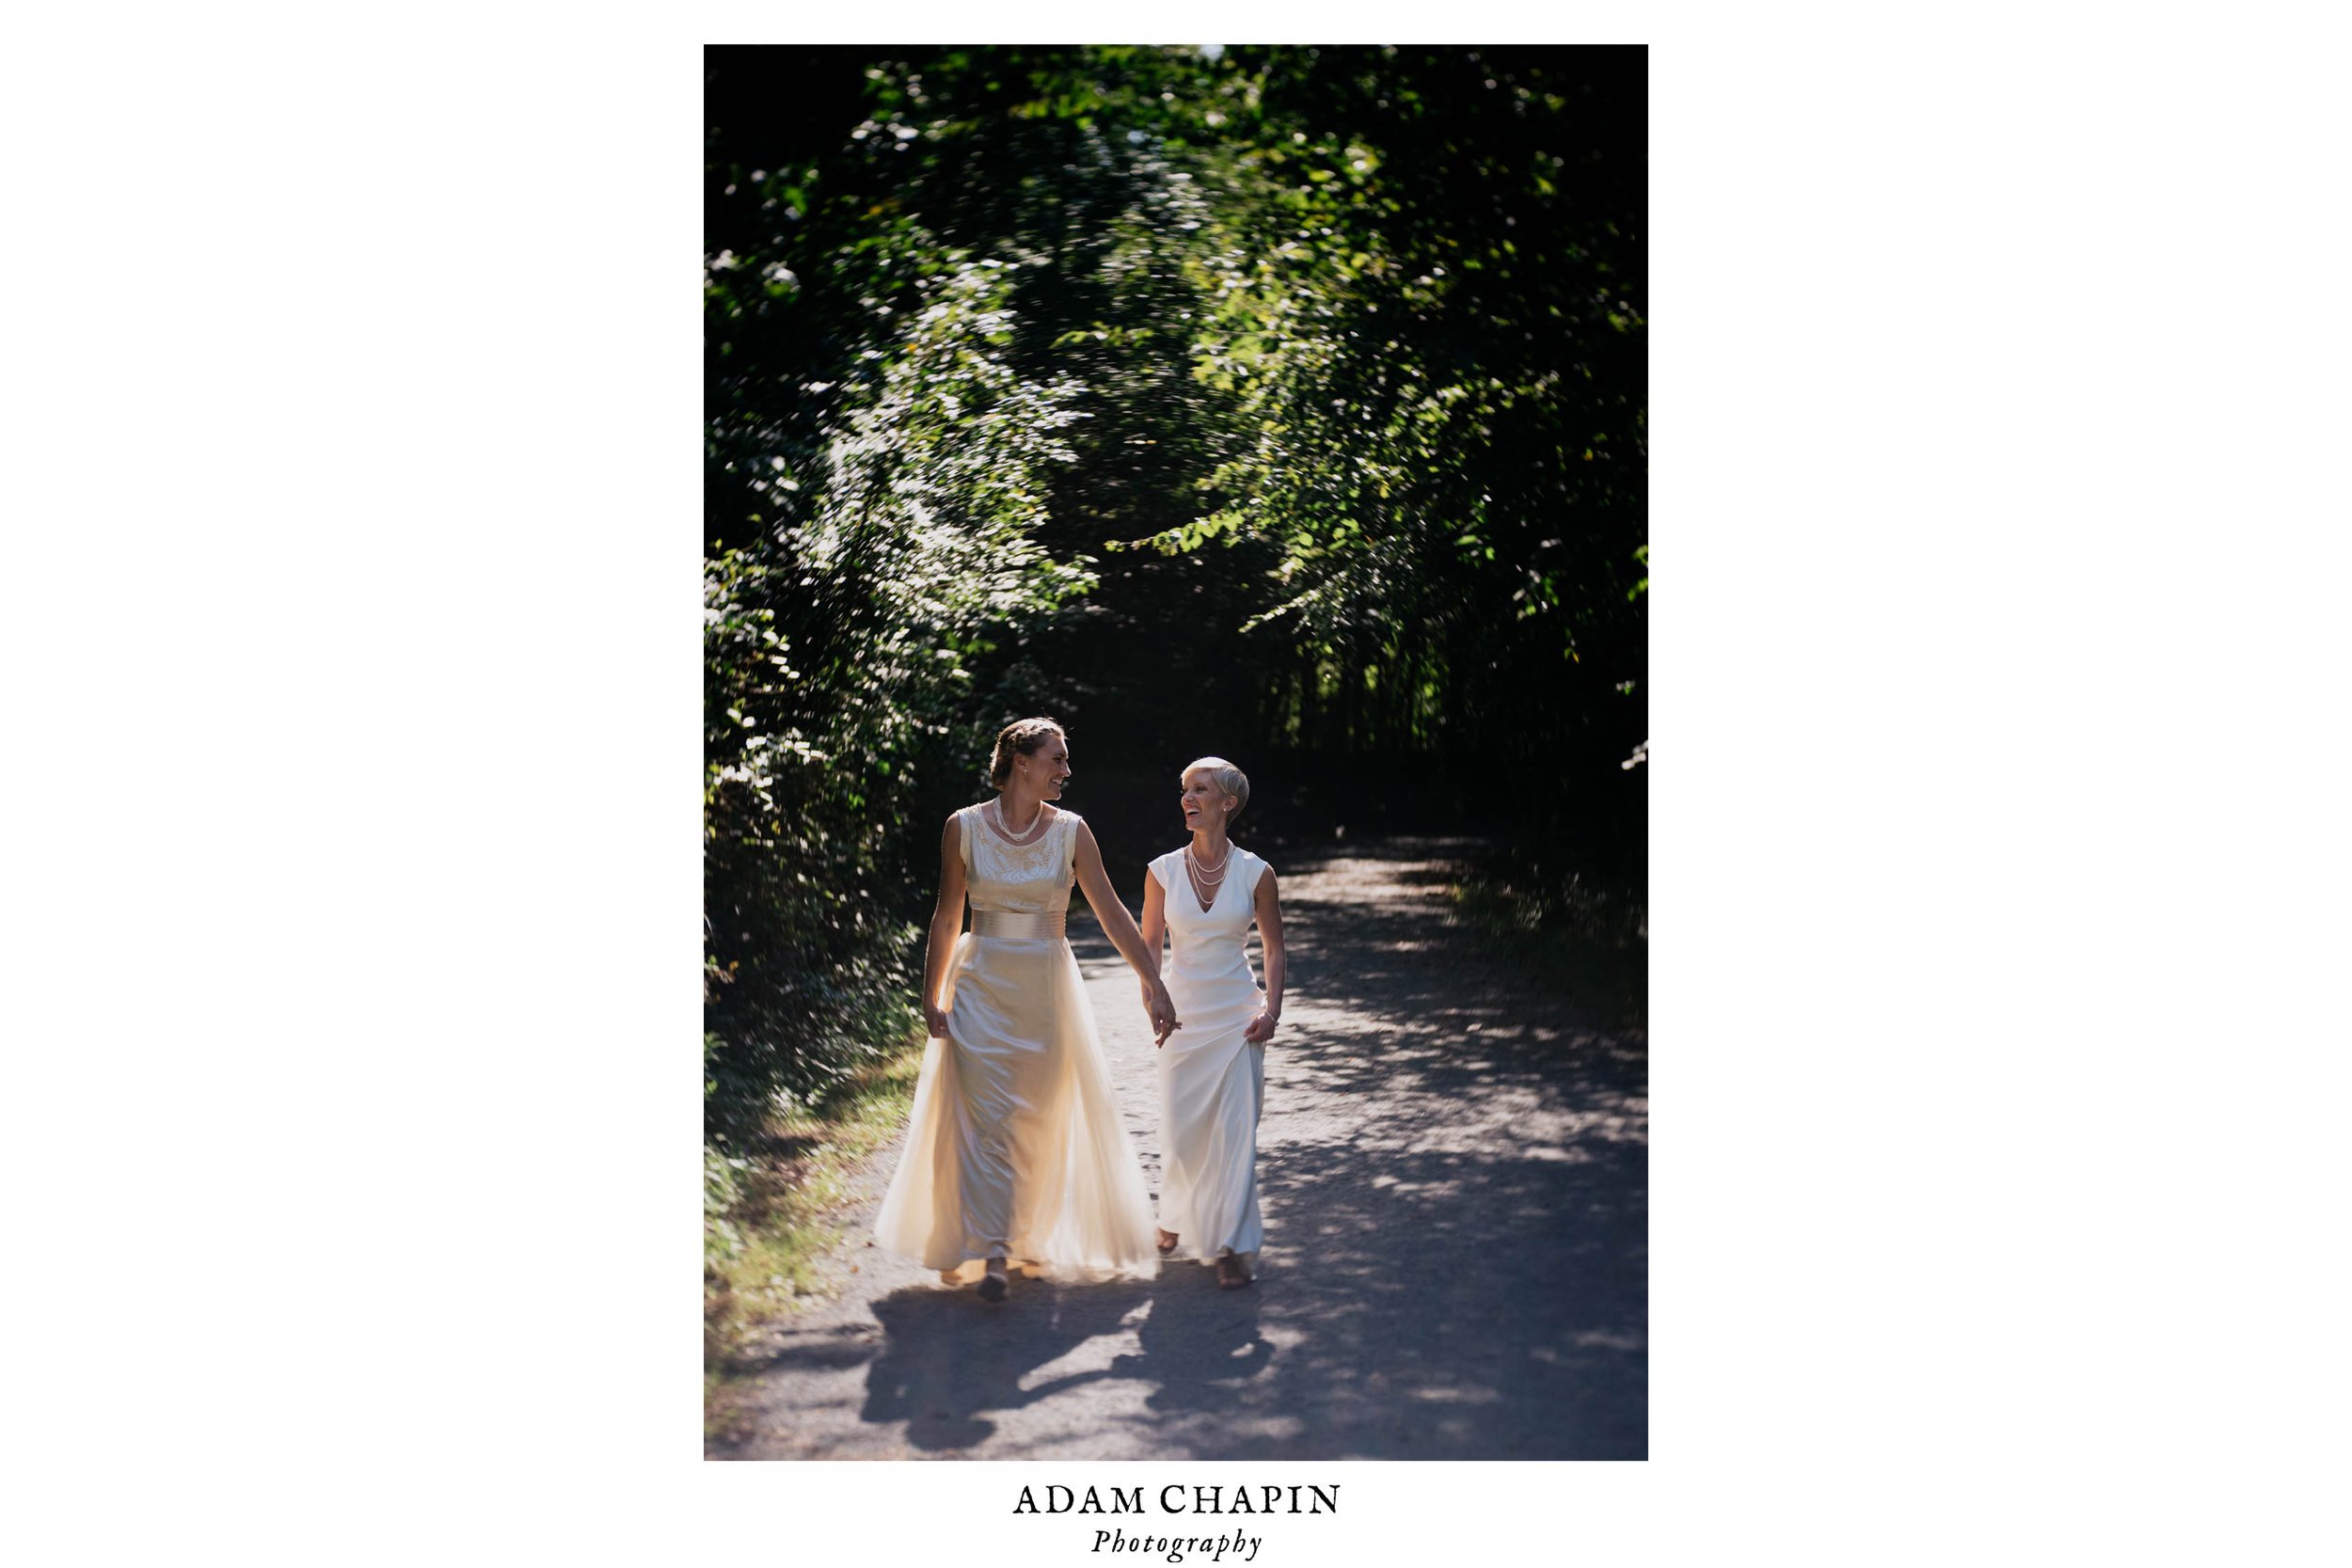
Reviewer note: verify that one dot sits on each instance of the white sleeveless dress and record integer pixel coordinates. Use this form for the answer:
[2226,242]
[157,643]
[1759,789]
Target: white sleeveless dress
[1212,1081]
[1015,1147]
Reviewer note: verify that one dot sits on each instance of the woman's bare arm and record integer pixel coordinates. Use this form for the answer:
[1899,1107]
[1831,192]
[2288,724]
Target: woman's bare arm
[1119,926]
[1154,930]
[1267,903]
[946,925]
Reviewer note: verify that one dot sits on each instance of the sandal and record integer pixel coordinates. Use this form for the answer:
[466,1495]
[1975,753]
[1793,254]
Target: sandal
[1165,1243]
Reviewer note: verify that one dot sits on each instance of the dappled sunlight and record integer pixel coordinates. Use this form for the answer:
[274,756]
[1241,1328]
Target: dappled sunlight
[1284,402]
[1455,1265]
[947,1363]
[1409,1190]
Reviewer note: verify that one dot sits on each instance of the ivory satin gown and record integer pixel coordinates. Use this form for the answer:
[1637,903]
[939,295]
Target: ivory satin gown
[1212,1081]
[1015,1147]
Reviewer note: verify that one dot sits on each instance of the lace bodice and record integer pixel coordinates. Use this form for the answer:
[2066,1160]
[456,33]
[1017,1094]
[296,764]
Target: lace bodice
[1021,878]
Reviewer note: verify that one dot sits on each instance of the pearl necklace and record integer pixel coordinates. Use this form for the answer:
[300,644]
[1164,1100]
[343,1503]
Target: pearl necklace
[1201,879]
[1027,835]
[1220,865]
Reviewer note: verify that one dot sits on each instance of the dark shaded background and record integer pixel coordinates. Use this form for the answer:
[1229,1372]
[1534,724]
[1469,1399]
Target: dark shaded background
[1353,343]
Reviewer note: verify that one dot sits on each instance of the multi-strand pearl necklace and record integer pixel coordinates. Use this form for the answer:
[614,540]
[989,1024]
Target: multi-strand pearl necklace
[1201,878]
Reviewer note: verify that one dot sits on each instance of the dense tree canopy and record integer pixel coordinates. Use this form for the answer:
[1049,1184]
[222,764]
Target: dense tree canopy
[1284,402]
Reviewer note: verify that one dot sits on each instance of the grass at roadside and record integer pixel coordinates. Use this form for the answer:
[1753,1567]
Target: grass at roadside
[771,1210]
[1589,939]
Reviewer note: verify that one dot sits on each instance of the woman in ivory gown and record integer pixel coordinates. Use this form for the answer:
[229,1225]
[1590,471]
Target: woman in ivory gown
[1205,896]
[1015,1151]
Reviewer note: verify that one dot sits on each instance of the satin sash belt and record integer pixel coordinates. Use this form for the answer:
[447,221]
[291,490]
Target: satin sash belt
[999,922]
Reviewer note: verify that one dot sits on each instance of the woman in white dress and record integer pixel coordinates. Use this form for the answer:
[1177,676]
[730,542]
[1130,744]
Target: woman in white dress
[1203,897]
[1015,1154]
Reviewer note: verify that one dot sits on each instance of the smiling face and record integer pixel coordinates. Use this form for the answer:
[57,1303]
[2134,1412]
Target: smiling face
[1204,805]
[1046,768]
[1031,754]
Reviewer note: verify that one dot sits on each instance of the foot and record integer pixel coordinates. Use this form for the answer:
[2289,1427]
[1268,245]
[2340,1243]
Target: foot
[993,1284]
[1231,1275]
[1167,1243]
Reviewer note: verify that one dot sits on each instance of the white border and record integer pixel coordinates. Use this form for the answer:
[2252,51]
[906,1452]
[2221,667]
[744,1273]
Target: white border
[1999,770]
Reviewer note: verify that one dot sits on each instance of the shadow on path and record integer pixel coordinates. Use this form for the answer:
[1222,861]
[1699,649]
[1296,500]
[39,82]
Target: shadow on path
[1453,1174]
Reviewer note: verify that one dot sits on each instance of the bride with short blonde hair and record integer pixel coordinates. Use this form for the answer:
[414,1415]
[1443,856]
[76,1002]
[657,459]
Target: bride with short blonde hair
[1203,898]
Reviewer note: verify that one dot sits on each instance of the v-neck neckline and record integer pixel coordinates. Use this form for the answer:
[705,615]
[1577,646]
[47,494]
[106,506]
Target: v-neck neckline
[1209,907]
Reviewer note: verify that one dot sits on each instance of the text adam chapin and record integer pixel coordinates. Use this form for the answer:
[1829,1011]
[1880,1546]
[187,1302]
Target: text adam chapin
[1180,1498]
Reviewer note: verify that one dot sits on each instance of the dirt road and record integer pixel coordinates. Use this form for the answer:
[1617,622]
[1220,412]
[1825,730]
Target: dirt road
[1453,1178]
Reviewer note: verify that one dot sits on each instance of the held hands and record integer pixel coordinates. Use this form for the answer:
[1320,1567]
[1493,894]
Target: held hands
[1163,1010]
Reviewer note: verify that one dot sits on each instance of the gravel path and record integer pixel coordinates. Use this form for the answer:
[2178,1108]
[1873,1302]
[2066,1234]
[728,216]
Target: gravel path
[1453,1175]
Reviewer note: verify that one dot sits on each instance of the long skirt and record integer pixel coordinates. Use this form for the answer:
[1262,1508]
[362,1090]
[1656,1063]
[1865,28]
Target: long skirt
[1015,1148]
